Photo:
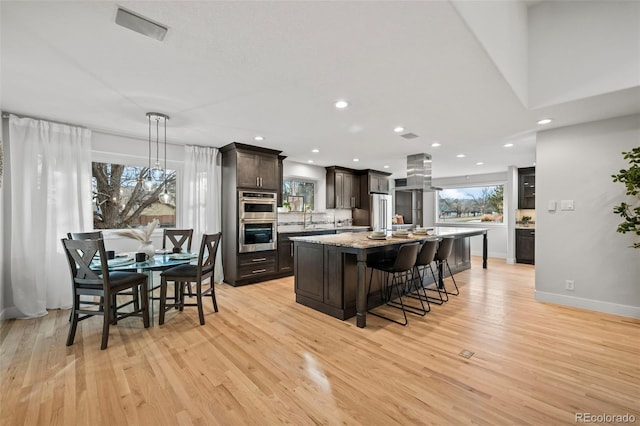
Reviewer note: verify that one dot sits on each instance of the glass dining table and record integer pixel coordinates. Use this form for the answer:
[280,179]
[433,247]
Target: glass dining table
[159,262]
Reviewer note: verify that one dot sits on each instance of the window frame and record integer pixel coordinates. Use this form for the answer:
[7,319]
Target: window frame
[304,180]
[505,214]
[137,161]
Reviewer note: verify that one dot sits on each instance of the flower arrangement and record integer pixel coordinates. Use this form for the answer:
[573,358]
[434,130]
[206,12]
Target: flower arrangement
[142,233]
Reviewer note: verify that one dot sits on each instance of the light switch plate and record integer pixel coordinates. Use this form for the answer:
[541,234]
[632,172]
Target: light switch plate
[552,205]
[566,205]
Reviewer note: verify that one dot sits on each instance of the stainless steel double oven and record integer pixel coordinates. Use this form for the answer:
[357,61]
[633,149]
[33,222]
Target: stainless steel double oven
[257,221]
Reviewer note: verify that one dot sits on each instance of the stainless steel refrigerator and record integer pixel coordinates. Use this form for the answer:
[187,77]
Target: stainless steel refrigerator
[381,212]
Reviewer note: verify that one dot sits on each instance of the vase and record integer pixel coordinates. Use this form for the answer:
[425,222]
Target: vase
[147,248]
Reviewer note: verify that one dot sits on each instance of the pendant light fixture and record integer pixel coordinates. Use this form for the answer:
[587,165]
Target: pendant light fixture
[156,173]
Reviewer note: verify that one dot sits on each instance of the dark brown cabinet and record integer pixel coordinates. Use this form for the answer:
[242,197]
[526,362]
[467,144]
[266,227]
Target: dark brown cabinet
[245,167]
[527,188]
[257,170]
[285,255]
[525,246]
[378,182]
[308,263]
[343,188]
[280,178]
[252,265]
[285,249]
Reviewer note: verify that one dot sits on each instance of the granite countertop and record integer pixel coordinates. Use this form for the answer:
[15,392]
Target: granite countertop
[290,229]
[361,240]
[528,226]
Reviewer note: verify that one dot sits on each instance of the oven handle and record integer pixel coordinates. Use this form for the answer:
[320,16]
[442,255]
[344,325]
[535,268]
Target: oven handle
[273,221]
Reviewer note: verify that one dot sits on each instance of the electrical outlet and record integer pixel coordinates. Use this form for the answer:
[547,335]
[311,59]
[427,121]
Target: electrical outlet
[569,285]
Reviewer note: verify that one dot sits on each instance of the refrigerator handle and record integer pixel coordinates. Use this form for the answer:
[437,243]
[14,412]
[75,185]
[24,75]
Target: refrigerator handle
[383,208]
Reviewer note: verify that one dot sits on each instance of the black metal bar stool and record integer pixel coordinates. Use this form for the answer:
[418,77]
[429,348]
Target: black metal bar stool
[422,268]
[444,251]
[402,270]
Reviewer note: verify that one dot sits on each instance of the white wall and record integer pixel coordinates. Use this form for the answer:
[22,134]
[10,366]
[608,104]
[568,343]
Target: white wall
[576,163]
[2,254]
[579,49]
[292,169]
[501,28]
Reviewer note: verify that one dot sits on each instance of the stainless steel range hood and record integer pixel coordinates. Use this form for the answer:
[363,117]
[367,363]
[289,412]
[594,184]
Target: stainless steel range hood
[418,174]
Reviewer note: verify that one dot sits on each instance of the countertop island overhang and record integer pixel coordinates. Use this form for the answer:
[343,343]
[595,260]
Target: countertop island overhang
[331,270]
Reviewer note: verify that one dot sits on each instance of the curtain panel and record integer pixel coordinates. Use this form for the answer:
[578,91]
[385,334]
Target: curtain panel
[200,198]
[50,169]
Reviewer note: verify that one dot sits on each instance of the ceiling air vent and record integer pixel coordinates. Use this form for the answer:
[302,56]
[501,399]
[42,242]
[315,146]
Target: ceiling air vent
[409,135]
[140,24]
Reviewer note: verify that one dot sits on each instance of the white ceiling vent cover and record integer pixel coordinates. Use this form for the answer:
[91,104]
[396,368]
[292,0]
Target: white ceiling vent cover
[140,24]
[409,135]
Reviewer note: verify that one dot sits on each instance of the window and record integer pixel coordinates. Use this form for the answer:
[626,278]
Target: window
[300,188]
[121,198]
[471,205]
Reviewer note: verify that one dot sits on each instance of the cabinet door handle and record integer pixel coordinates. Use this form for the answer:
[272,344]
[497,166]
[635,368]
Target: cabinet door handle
[258,182]
[291,250]
[260,259]
[533,233]
[258,271]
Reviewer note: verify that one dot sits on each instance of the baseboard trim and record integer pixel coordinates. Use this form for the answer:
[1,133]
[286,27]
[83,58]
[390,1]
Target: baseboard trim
[590,304]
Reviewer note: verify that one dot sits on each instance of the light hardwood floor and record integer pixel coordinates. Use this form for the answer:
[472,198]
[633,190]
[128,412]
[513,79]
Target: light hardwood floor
[263,359]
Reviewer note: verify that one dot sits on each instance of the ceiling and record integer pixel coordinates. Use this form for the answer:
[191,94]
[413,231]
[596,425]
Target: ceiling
[228,71]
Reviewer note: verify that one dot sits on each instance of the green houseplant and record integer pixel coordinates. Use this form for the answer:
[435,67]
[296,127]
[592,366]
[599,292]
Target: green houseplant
[630,177]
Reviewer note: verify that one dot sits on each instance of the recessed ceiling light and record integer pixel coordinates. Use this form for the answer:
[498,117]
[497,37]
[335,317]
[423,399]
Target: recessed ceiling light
[399,129]
[341,104]
[435,144]
[479,163]
[356,159]
[309,161]
[508,145]
[315,151]
[259,138]
[460,155]
[386,167]
[545,121]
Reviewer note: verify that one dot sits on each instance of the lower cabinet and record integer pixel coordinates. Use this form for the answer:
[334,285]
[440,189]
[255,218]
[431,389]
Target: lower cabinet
[285,255]
[326,276]
[309,266]
[256,265]
[285,249]
[525,246]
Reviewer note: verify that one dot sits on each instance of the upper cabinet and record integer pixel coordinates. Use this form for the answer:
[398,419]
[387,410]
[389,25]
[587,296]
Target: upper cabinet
[280,178]
[527,188]
[257,170]
[377,181]
[343,188]
[255,167]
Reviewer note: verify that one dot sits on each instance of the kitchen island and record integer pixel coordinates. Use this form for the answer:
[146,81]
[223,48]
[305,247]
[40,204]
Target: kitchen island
[331,270]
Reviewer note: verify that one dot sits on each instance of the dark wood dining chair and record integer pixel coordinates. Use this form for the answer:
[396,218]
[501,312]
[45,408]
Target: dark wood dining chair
[105,284]
[183,274]
[91,235]
[179,238]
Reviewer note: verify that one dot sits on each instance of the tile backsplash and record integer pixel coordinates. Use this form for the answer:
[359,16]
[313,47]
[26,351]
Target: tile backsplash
[330,216]
[525,212]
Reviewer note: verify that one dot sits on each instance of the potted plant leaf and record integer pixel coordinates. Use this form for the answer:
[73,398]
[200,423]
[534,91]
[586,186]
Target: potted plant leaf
[630,211]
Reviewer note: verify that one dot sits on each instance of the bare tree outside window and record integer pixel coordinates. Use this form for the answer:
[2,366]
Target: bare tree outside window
[122,200]
[471,205]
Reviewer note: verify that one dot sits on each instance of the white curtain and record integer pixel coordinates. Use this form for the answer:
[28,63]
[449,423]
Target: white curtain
[200,198]
[50,170]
